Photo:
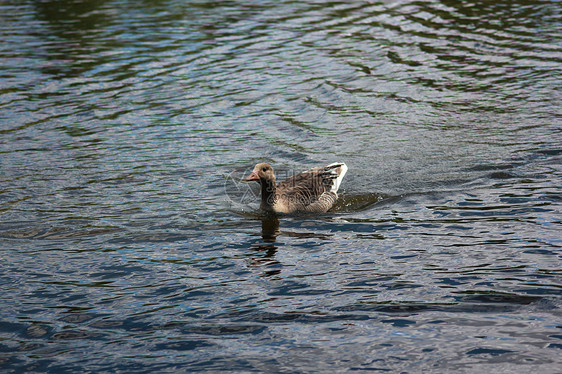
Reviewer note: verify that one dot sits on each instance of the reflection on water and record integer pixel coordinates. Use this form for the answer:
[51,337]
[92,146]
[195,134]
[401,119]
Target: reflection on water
[269,228]
[266,250]
[130,245]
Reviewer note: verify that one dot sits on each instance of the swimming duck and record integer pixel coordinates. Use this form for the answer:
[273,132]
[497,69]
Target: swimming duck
[314,190]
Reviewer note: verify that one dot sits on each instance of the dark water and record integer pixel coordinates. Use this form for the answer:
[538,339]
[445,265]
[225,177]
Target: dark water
[129,244]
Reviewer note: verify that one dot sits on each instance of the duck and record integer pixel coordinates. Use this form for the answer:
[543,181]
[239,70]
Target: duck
[315,190]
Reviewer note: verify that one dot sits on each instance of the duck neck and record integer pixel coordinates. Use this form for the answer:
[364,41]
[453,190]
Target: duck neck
[268,190]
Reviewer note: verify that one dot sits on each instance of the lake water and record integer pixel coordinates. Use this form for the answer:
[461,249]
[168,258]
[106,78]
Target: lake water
[129,242]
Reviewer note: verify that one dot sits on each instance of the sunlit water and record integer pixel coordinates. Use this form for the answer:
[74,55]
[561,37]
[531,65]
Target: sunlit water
[129,242]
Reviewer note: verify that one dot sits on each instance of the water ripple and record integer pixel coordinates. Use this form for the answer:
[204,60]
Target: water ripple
[131,243]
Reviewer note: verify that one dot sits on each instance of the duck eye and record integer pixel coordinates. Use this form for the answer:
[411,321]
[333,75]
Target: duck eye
[264,169]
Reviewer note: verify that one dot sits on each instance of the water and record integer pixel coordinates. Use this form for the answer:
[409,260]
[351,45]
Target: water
[130,244]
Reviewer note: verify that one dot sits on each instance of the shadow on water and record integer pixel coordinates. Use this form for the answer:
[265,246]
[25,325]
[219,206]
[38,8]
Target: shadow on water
[270,228]
[264,251]
[356,202]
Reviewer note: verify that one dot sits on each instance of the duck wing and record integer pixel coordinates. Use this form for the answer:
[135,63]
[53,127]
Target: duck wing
[314,190]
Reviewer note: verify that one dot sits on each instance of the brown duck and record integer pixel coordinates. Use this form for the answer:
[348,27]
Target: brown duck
[314,190]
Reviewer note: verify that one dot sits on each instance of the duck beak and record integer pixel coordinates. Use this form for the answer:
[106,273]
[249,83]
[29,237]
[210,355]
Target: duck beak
[253,177]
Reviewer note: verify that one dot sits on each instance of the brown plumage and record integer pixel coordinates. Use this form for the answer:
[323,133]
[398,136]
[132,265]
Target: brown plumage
[314,190]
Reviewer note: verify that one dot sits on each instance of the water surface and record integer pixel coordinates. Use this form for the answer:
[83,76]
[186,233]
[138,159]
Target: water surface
[129,242]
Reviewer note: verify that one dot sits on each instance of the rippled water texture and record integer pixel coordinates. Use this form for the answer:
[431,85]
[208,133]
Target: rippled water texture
[129,242]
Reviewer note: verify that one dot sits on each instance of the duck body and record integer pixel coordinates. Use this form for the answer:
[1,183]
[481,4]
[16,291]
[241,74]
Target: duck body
[314,190]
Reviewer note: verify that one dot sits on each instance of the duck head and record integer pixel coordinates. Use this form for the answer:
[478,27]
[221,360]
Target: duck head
[262,171]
